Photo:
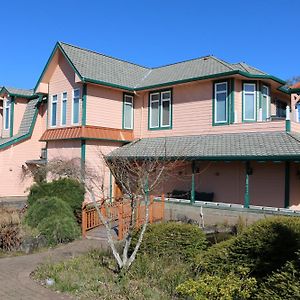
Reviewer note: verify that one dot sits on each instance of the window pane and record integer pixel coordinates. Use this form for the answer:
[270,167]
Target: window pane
[265,90]
[221,99]
[154,114]
[221,86]
[128,99]
[249,107]
[64,112]
[154,97]
[54,111]
[76,93]
[166,113]
[249,87]
[76,110]
[166,95]
[7,117]
[128,116]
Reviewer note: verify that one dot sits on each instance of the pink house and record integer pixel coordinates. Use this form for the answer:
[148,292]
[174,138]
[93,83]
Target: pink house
[237,127]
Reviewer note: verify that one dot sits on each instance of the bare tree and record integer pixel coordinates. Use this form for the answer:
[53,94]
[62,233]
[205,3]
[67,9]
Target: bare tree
[292,81]
[137,178]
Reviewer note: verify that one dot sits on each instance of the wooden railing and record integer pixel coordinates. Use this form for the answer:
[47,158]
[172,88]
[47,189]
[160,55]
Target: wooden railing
[120,213]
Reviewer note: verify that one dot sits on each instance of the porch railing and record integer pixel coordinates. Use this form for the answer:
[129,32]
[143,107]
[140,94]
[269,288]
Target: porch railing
[120,214]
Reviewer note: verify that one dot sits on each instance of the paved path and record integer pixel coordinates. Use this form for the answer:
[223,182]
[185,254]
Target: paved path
[15,282]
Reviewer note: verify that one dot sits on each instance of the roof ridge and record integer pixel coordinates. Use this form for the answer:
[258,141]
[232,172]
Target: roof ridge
[105,55]
[294,137]
[226,64]
[253,68]
[145,76]
[183,61]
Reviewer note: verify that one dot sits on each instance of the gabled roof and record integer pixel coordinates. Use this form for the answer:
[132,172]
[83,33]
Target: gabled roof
[26,126]
[231,146]
[22,93]
[101,69]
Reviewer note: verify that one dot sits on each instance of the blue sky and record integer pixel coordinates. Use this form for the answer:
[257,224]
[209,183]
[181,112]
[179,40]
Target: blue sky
[263,33]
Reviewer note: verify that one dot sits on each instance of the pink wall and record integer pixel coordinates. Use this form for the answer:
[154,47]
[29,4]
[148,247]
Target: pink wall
[104,107]
[227,181]
[295,186]
[19,109]
[192,113]
[63,80]
[64,149]
[13,158]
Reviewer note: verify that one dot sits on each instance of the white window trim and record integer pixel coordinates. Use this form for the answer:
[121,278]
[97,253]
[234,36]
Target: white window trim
[62,99]
[150,107]
[255,101]
[7,104]
[51,111]
[268,99]
[74,90]
[131,124]
[161,109]
[226,105]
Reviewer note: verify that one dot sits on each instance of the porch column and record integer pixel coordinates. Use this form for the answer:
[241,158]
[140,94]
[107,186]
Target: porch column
[287,185]
[193,183]
[247,195]
[288,120]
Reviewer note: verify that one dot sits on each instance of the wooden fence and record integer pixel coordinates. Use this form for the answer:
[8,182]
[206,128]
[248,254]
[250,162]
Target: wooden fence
[119,213]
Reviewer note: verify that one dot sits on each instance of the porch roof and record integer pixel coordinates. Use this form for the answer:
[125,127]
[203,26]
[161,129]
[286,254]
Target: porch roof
[263,146]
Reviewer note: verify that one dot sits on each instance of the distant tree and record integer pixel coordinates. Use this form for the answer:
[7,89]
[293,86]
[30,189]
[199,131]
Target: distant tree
[291,81]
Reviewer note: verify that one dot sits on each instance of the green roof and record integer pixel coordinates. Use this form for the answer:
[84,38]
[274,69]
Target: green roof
[102,69]
[229,146]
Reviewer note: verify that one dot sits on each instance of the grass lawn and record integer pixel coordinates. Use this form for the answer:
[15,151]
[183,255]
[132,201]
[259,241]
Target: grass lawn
[90,276]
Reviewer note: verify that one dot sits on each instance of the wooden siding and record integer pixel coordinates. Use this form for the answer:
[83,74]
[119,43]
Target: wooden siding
[63,80]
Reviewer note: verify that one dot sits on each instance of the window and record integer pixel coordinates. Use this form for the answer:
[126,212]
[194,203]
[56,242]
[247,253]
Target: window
[221,102]
[54,110]
[280,109]
[7,108]
[75,106]
[249,102]
[64,100]
[265,102]
[298,111]
[128,112]
[160,107]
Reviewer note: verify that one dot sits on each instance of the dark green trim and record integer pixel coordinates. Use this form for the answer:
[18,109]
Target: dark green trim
[83,156]
[12,116]
[193,183]
[255,107]
[23,137]
[288,125]
[123,110]
[228,97]
[294,90]
[247,194]
[287,185]
[159,110]
[232,99]
[5,90]
[83,115]
[89,80]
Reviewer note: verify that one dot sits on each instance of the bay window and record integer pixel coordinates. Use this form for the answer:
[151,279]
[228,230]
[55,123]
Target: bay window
[128,111]
[221,102]
[75,106]
[160,110]
[249,102]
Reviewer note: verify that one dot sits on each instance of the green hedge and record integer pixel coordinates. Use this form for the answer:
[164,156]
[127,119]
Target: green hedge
[263,248]
[172,239]
[46,207]
[59,229]
[69,190]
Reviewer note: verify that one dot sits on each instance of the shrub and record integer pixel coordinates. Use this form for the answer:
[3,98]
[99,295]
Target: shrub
[69,190]
[172,239]
[43,208]
[210,287]
[263,247]
[10,231]
[283,284]
[59,229]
